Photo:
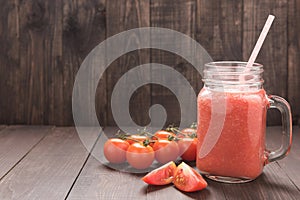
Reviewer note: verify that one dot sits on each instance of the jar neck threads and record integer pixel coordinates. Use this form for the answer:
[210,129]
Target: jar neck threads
[233,76]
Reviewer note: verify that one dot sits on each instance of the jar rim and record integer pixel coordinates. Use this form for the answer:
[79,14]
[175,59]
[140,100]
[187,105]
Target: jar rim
[232,75]
[232,68]
[231,63]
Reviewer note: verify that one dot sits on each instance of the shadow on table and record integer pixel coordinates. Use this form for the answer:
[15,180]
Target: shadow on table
[264,187]
[204,194]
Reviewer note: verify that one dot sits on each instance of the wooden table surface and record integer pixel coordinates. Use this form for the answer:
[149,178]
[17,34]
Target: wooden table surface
[45,162]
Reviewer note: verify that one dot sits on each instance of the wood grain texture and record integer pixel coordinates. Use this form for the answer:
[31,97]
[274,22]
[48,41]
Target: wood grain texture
[28,47]
[9,57]
[273,54]
[277,182]
[98,181]
[121,17]
[84,27]
[181,16]
[44,43]
[16,142]
[290,164]
[49,170]
[56,166]
[219,28]
[293,58]
[272,184]
[2,127]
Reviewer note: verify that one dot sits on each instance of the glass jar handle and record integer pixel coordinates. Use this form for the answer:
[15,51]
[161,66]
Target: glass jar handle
[283,106]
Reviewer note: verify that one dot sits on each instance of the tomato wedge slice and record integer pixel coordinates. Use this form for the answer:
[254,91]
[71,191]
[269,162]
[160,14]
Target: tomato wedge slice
[162,175]
[188,179]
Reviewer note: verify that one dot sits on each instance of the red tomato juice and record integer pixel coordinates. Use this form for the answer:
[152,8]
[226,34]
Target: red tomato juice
[239,146]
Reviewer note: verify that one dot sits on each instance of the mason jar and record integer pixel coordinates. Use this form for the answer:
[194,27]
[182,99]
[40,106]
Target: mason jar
[231,131]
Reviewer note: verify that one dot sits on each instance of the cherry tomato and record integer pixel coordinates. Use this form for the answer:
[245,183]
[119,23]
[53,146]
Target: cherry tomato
[162,175]
[188,179]
[115,150]
[136,138]
[166,151]
[140,156]
[188,132]
[188,148]
[163,135]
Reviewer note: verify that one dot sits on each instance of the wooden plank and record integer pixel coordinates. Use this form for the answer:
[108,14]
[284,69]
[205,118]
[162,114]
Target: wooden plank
[181,16]
[27,33]
[272,184]
[49,170]
[290,164]
[293,58]
[31,46]
[121,17]
[219,28]
[98,181]
[10,61]
[2,127]
[16,142]
[83,27]
[3,63]
[273,54]
[43,44]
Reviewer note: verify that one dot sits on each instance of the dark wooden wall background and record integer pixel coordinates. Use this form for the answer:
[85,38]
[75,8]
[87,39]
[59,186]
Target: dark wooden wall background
[43,42]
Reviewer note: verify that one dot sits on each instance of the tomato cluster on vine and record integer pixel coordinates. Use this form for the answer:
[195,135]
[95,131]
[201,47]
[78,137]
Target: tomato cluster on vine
[141,149]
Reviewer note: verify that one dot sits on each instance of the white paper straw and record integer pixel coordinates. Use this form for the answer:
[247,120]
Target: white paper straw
[260,41]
